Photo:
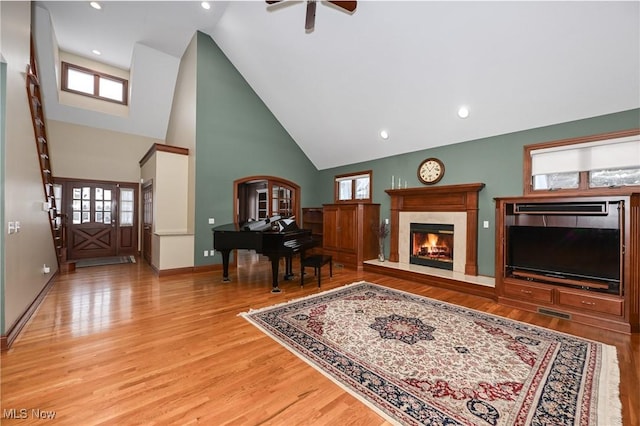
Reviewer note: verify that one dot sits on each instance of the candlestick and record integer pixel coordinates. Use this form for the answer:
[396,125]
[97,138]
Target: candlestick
[393,181]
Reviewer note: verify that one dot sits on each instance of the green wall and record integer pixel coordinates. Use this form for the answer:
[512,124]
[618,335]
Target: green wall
[236,136]
[495,161]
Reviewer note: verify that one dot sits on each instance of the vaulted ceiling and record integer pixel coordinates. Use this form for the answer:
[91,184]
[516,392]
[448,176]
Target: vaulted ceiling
[404,67]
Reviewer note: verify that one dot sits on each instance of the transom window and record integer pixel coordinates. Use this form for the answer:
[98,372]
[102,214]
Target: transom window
[95,84]
[353,187]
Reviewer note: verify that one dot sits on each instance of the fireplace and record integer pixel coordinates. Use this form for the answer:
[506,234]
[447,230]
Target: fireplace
[442,203]
[431,244]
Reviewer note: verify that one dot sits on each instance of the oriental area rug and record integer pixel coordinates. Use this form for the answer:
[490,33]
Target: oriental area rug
[419,361]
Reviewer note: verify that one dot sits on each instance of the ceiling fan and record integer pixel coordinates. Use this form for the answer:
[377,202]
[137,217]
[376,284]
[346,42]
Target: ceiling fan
[348,6]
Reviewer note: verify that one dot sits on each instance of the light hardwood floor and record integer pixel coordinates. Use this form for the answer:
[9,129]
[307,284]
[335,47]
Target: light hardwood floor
[119,345]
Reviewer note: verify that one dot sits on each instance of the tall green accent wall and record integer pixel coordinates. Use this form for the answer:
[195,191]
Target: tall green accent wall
[236,136]
[495,161]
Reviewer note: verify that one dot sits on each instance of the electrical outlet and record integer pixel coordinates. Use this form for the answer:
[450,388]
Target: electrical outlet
[206,253]
[485,224]
[212,252]
[212,221]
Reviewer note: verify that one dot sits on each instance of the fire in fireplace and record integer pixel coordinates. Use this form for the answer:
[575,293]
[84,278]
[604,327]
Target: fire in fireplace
[431,245]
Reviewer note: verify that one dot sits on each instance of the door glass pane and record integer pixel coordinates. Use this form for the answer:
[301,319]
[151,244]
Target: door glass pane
[98,193]
[107,194]
[126,207]
[81,205]
[126,194]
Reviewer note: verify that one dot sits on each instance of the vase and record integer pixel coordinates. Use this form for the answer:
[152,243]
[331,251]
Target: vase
[381,250]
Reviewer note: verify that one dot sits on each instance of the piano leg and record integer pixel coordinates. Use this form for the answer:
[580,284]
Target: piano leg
[225,264]
[275,264]
[288,274]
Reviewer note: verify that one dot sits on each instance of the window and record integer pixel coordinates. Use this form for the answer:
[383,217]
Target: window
[126,206]
[95,84]
[353,187]
[281,201]
[607,163]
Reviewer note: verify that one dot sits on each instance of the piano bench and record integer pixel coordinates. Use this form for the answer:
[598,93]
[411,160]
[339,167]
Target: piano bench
[316,261]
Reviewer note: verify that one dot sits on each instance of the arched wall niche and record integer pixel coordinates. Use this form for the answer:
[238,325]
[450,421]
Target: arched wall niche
[259,197]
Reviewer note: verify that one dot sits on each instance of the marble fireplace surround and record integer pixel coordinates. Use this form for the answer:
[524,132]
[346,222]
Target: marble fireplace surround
[457,219]
[450,204]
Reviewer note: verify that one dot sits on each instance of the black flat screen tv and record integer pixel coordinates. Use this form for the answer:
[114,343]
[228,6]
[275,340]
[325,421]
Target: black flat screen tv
[591,254]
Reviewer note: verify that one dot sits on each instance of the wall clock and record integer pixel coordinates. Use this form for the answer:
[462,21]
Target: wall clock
[430,171]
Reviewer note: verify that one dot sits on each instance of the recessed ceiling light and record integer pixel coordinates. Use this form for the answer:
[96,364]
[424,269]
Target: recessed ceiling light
[205,5]
[95,5]
[463,112]
[96,52]
[384,134]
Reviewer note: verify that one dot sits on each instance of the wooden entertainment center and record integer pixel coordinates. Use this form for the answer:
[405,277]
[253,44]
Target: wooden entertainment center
[615,306]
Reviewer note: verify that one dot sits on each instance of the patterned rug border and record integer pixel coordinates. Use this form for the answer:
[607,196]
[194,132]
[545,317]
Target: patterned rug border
[609,383]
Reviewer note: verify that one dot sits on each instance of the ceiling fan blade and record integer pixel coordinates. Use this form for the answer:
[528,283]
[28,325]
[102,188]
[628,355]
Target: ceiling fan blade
[311,15]
[346,5]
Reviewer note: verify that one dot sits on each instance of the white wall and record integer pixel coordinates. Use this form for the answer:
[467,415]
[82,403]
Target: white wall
[181,130]
[27,251]
[92,153]
[172,245]
[170,193]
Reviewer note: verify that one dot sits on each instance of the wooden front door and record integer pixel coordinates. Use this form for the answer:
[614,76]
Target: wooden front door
[101,218]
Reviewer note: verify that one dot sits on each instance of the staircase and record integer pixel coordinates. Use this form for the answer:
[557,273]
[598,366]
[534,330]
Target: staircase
[40,132]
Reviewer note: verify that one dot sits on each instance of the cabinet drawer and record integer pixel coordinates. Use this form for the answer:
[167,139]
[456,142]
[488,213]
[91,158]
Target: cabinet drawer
[592,303]
[528,292]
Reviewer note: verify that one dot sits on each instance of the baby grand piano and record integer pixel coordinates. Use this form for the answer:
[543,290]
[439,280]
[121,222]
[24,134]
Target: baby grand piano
[273,237]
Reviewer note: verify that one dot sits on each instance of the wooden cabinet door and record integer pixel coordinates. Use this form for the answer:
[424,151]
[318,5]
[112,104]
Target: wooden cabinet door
[330,228]
[347,231]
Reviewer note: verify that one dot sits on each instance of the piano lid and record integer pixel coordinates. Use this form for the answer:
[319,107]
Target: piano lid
[273,224]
